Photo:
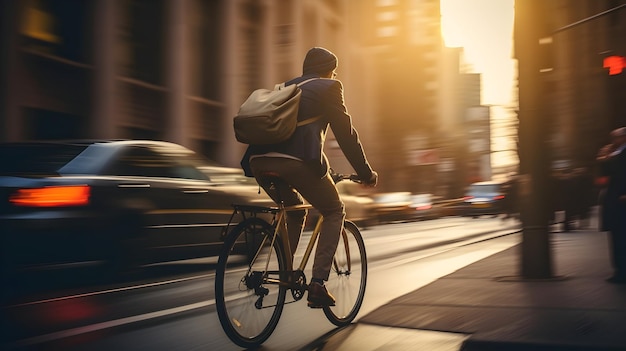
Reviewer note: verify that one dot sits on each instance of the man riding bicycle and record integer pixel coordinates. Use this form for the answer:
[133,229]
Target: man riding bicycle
[300,162]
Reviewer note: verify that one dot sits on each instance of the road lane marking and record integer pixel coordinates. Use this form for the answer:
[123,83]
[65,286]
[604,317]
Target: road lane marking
[110,291]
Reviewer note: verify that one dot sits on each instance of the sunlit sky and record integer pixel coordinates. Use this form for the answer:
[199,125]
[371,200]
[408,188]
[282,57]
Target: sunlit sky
[484,28]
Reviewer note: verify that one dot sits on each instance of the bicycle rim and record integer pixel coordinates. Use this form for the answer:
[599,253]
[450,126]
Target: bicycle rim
[248,307]
[348,276]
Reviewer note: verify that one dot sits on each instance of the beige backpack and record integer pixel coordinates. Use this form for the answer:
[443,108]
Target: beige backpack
[270,116]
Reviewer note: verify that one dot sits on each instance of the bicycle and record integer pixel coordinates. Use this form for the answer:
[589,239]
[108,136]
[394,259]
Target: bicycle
[254,273]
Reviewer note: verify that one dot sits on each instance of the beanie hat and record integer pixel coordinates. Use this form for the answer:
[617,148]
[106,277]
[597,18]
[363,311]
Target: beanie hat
[319,60]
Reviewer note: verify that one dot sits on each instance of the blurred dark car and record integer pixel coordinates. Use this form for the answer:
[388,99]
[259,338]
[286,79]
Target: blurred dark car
[115,204]
[484,198]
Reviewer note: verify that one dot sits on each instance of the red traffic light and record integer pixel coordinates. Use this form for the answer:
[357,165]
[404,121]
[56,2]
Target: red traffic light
[615,64]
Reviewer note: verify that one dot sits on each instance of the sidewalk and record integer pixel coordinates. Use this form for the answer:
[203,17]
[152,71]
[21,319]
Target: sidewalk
[486,306]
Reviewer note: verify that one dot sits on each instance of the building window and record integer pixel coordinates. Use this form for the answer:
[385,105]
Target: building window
[140,133]
[57,28]
[209,149]
[50,125]
[205,60]
[251,48]
[386,32]
[142,40]
[334,5]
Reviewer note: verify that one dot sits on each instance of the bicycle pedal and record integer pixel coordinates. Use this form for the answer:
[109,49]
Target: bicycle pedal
[316,305]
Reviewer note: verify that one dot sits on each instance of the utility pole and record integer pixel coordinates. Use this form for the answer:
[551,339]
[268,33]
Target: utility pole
[534,150]
[533,46]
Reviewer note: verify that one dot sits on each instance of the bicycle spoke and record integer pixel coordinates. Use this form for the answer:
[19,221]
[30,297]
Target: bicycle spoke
[348,277]
[248,305]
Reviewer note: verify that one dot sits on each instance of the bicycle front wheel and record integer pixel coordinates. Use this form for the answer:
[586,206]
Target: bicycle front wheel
[248,298]
[348,276]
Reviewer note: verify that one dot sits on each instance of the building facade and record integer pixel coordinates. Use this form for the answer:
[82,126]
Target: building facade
[177,70]
[584,101]
[174,70]
[405,36]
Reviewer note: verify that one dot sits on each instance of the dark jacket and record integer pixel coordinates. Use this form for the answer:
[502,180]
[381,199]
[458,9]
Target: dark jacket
[320,97]
[614,209]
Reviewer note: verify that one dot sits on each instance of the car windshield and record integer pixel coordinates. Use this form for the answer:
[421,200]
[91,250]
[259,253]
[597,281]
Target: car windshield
[484,189]
[36,158]
[421,198]
[393,197]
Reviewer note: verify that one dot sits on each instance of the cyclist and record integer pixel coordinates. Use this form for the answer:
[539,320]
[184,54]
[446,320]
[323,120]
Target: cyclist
[301,163]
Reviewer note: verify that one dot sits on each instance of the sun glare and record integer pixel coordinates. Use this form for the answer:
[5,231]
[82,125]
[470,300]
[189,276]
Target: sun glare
[484,29]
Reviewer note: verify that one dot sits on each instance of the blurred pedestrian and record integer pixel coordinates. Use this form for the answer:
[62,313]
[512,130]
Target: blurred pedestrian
[556,196]
[511,199]
[612,161]
[569,195]
[577,198]
[584,196]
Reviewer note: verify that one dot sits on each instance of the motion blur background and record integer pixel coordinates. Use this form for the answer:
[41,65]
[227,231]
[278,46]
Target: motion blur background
[444,94]
[177,70]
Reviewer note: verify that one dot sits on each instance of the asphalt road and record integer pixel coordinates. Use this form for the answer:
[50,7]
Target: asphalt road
[172,307]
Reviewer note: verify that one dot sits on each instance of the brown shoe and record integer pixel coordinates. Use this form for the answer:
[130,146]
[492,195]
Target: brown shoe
[319,297]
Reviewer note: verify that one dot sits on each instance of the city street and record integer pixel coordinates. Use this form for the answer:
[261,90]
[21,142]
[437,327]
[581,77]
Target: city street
[172,307]
[126,165]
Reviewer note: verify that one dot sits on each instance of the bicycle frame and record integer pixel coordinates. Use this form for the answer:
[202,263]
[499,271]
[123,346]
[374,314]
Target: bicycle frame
[250,301]
[280,230]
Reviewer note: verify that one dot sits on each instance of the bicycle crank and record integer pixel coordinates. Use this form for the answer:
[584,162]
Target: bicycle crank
[298,286]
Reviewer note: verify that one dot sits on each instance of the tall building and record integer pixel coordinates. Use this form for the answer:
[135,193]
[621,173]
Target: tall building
[464,128]
[174,70]
[477,129]
[406,37]
[584,101]
[177,70]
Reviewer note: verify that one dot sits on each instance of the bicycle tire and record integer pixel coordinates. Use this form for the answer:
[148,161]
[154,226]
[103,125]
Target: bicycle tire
[246,324]
[348,277]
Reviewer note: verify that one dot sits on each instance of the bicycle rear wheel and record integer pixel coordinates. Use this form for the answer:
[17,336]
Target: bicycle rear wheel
[348,276]
[248,305]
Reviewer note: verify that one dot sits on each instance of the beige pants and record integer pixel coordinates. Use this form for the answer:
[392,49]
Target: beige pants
[319,192]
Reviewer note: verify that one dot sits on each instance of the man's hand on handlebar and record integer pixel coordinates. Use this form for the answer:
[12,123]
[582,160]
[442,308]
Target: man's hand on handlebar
[337,177]
[372,181]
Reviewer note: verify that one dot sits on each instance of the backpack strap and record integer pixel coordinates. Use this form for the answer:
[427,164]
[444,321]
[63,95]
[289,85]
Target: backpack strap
[308,120]
[312,119]
[306,81]
[282,85]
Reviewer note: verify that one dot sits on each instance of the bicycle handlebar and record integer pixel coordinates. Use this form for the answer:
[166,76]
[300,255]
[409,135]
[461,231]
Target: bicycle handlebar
[337,177]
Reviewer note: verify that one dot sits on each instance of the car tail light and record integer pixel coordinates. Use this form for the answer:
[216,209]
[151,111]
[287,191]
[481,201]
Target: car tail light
[52,196]
[465,198]
[423,207]
[498,197]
